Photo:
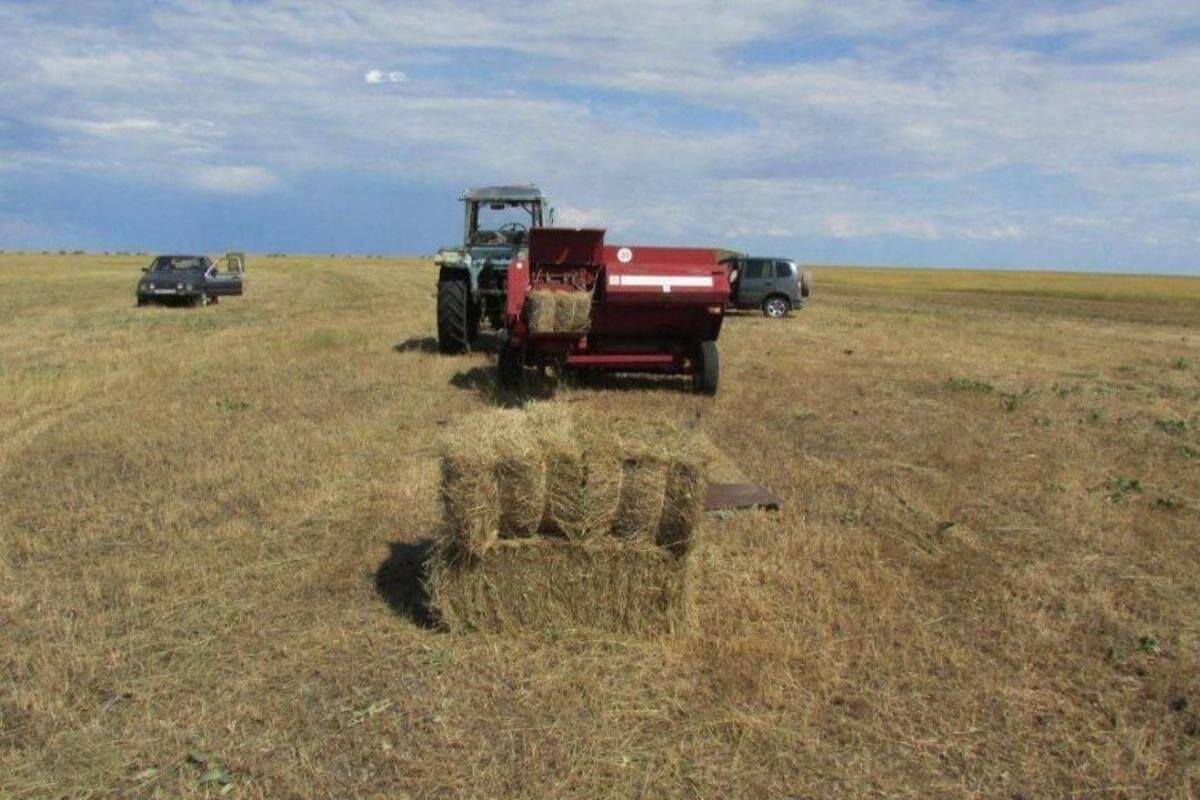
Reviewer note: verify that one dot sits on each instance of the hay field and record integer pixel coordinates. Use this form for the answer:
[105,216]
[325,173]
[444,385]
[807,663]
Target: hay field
[985,581]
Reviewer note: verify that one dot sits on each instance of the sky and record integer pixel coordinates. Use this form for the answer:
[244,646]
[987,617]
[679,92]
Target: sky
[1060,135]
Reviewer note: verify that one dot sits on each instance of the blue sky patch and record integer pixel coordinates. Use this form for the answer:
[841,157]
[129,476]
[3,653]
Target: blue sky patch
[926,133]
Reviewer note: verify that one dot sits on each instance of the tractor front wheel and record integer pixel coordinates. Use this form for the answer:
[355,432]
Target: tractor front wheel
[453,315]
[706,368]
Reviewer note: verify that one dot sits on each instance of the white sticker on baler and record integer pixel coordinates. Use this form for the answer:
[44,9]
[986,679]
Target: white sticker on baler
[665,281]
[624,255]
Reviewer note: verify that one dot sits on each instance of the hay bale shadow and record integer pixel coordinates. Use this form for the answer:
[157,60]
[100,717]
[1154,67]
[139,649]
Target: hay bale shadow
[417,344]
[486,342]
[400,581]
[485,382]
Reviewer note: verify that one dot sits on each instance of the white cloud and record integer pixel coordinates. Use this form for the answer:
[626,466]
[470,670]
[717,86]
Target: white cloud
[124,125]
[993,233]
[850,226]
[233,179]
[379,76]
[572,217]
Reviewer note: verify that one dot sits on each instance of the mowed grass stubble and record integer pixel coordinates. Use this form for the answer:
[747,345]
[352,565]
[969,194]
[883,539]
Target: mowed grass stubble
[983,581]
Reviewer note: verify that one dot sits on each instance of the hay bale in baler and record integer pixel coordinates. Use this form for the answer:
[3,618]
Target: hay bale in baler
[617,504]
[542,311]
[573,312]
[559,311]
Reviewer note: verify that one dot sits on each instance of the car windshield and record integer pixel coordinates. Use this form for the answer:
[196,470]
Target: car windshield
[168,263]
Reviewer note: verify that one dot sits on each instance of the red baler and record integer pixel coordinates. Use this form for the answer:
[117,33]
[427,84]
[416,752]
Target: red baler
[652,309]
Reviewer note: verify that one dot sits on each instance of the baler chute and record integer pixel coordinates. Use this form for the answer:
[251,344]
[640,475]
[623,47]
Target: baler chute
[648,309]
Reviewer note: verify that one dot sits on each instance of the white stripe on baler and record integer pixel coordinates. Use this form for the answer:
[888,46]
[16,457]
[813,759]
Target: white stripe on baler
[661,280]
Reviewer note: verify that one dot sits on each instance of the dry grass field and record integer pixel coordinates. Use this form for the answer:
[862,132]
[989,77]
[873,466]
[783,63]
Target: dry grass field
[985,581]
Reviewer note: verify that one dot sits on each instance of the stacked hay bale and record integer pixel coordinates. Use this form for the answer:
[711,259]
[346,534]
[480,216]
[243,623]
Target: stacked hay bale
[556,521]
[559,311]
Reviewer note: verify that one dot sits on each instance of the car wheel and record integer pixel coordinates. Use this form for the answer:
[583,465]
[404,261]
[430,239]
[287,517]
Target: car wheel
[776,307]
[805,283]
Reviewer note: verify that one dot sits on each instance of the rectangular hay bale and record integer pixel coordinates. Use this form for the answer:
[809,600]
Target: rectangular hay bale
[543,310]
[559,311]
[549,584]
[643,495]
[573,312]
[551,471]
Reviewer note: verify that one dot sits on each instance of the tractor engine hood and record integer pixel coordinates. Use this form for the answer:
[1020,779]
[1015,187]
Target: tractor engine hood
[499,255]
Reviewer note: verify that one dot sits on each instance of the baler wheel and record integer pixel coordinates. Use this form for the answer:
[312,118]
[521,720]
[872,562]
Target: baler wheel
[706,371]
[510,369]
[453,316]
[474,315]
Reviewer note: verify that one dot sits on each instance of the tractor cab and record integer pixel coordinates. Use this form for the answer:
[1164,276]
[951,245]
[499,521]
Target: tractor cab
[472,277]
[501,216]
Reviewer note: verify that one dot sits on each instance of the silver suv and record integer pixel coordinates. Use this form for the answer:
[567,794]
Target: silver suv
[776,285]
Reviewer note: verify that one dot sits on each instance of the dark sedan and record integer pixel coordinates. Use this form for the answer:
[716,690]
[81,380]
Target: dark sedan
[186,280]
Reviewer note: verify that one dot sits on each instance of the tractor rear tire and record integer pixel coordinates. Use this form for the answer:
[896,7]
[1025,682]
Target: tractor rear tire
[453,316]
[510,369]
[706,371]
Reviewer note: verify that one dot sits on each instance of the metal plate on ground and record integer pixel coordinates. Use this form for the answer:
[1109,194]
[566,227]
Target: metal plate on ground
[739,495]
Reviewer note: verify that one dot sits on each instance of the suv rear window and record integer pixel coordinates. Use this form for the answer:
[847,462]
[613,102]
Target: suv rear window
[783,269]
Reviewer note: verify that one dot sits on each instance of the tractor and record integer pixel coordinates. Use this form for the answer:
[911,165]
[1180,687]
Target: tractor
[473,278]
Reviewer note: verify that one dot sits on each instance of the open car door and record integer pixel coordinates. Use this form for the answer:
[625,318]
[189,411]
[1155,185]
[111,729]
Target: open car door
[225,278]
